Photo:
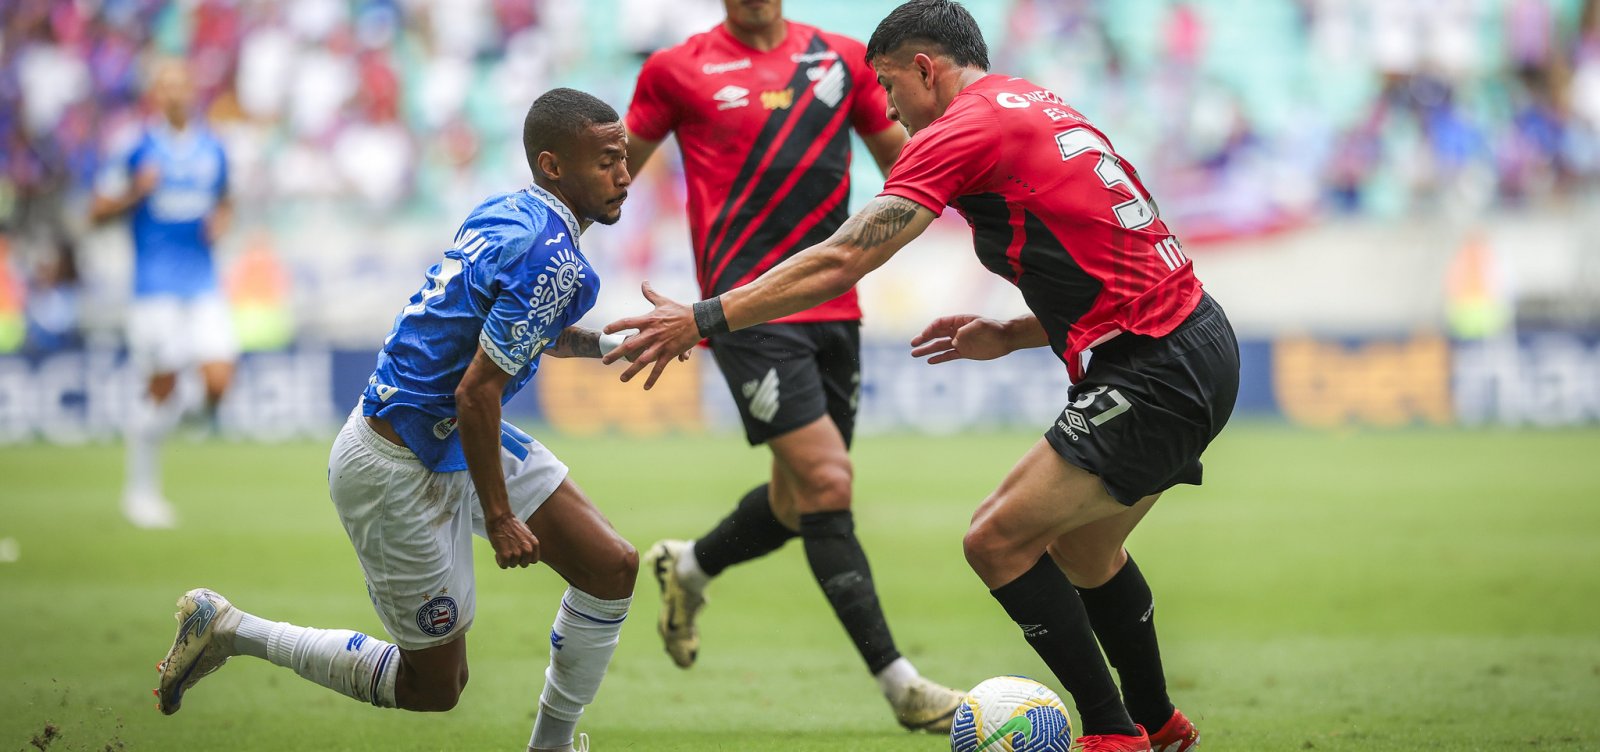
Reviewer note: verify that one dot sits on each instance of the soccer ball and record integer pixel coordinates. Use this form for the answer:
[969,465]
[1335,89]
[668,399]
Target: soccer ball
[1011,714]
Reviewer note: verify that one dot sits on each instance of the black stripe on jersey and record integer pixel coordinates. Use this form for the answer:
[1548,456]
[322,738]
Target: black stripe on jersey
[990,218]
[809,192]
[814,119]
[1052,283]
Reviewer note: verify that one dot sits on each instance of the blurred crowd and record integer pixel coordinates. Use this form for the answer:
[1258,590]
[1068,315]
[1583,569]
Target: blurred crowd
[1245,116]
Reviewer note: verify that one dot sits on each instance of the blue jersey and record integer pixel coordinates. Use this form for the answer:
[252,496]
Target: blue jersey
[511,283]
[171,253]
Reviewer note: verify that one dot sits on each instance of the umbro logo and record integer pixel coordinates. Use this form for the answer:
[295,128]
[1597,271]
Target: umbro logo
[731,96]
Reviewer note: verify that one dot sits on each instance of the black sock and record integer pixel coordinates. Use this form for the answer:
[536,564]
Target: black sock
[1043,603]
[750,531]
[840,567]
[1123,614]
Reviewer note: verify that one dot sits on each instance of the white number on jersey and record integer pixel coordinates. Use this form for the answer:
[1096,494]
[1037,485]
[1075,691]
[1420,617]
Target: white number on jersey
[1133,214]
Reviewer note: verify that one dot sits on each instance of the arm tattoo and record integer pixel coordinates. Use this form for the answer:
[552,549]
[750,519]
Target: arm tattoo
[882,219]
[576,342]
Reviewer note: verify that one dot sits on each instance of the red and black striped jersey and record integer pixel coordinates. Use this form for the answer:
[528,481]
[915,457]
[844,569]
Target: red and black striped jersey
[765,146]
[1053,209]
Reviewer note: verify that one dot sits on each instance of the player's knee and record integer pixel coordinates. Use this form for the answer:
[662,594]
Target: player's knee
[613,571]
[827,488]
[985,548]
[161,387]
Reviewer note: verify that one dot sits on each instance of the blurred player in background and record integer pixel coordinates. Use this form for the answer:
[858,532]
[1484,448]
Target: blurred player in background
[173,184]
[1055,210]
[425,461]
[763,108]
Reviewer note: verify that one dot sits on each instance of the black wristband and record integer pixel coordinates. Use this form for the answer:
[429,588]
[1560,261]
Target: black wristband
[708,317]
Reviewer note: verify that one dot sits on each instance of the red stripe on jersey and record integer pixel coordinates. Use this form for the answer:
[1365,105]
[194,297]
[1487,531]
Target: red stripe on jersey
[807,159]
[782,249]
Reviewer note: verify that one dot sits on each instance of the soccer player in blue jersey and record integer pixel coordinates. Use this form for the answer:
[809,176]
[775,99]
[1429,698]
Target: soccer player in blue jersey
[424,461]
[173,185]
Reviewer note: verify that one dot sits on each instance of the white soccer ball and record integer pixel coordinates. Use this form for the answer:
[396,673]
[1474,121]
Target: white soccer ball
[1011,714]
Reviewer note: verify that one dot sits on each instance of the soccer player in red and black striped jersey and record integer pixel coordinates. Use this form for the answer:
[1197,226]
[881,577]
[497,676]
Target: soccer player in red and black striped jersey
[763,108]
[1055,210]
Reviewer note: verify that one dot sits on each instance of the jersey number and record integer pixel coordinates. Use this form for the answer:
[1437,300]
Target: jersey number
[1133,214]
[433,290]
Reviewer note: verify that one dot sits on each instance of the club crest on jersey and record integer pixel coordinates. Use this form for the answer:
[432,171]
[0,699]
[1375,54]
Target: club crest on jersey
[829,87]
[438,616]
[777,100]
[731,96]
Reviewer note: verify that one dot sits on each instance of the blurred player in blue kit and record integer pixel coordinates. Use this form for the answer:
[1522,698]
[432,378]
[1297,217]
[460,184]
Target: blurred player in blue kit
[425,460]
[173,185]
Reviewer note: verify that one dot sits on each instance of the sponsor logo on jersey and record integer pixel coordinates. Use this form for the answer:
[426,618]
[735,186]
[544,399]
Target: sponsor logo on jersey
[777,100]
[443,428]
[829,87]
[731,96]
[438,616]
[385,391]
[711,69]
[762,395]
[814,57]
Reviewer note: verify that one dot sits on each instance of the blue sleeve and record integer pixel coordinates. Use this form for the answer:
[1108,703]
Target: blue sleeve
[514,332]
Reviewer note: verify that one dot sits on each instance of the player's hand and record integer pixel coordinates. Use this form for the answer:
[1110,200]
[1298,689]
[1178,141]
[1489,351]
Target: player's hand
[665,333]
[959,337]
[514,544]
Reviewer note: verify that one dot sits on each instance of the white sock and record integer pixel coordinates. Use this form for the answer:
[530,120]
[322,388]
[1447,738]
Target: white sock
[689,571]
[148,424]
[581,643]
[344,661]
[895,677]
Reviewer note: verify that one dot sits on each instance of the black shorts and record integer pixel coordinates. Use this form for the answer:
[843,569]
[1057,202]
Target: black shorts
[1148,406]
[784,376]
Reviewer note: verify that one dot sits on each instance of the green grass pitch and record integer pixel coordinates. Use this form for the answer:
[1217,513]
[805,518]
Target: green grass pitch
[1411,590]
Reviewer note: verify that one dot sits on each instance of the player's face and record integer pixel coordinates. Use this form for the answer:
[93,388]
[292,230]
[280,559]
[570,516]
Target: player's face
[171,91]
[753,15]
[909,86]
[597,180]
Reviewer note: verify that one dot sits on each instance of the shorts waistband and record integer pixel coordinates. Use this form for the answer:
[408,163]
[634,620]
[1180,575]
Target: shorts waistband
[371,440]
[1205,312]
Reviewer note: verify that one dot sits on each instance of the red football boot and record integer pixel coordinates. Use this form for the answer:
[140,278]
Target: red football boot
[1114,742]
[1176,735]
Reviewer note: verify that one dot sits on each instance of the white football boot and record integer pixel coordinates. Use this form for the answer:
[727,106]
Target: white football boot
[206,625]
[927,706]
[148,511]
[680,604]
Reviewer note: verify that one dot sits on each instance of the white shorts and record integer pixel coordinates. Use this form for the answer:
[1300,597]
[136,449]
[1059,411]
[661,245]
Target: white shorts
[412,527]
[167,334]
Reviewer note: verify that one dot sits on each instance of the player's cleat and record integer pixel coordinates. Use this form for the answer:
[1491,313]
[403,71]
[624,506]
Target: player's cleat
[1114,742]
[1176,735]
[679,603]
[927,706]
[206,625]
[148,511]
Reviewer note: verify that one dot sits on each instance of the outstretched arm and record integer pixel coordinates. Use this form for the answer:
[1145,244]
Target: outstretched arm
[813,276]
[970,337]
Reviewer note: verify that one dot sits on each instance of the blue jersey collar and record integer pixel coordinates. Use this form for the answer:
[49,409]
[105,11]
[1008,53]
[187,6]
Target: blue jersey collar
[560,208]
